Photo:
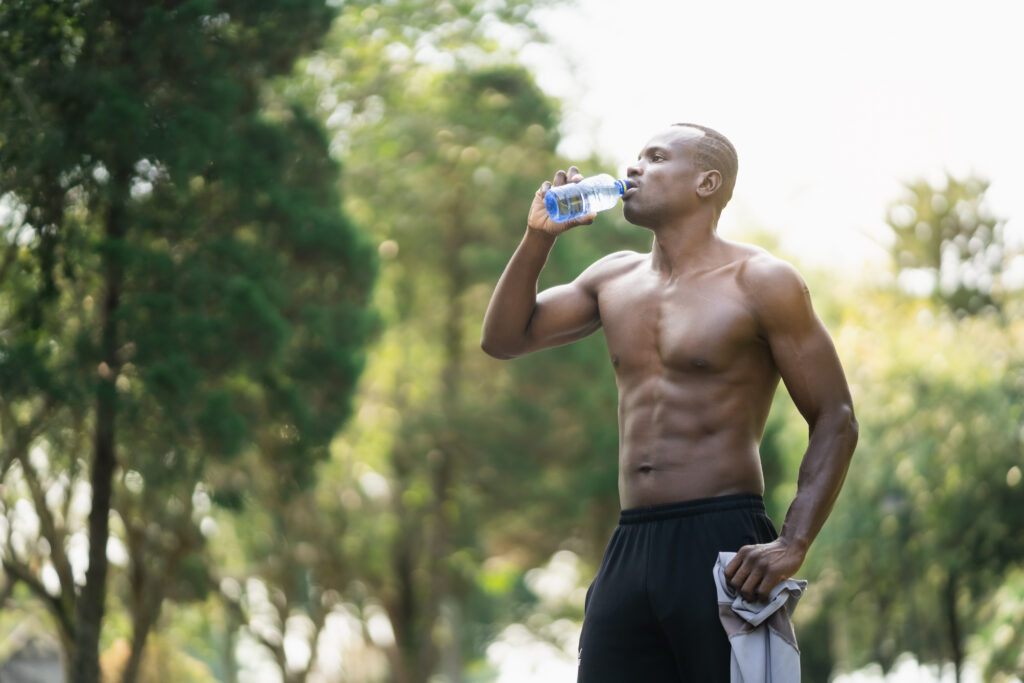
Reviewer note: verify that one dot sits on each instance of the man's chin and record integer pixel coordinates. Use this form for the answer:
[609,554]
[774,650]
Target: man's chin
[634,216]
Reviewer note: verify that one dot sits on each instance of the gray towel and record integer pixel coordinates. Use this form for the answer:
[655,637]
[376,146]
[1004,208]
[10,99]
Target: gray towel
[764,648]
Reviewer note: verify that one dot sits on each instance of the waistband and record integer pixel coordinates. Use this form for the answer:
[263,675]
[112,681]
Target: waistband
[689,508]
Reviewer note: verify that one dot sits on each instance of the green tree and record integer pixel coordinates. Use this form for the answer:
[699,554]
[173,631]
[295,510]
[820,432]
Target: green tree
[441,165]
[444,146]
[461,156]
[948,238]
[923,534]
[281,569]
[179,285]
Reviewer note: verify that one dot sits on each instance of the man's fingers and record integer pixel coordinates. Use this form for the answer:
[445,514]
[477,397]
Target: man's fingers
[756,570]
[751,588]
[571,176]
[758,584]
[746,573]
[734,564]
[739,577]
[544,187]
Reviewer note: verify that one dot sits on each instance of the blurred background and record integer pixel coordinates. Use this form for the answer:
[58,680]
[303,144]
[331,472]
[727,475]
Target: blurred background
[246,430]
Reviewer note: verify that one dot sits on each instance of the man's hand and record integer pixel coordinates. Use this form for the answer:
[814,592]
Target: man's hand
[757,569]
[538,218]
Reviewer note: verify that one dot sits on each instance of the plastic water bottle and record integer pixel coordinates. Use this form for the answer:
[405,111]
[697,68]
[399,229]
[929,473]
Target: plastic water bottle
[589,195]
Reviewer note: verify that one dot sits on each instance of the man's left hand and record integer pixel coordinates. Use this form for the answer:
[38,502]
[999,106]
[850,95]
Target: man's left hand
[757,569]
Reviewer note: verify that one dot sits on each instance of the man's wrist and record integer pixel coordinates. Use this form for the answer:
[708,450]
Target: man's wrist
[796,544]
[538,234]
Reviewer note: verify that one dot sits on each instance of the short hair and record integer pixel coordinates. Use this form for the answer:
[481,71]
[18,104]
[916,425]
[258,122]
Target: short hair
[714,152]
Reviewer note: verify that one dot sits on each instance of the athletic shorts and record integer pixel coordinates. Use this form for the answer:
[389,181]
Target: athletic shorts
[651,613]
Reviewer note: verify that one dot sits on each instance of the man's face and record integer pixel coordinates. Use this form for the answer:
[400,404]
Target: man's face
[666,178]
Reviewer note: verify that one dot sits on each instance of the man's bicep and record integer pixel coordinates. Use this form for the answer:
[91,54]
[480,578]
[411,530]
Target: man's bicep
[810,368]
[801,346]
[562,315]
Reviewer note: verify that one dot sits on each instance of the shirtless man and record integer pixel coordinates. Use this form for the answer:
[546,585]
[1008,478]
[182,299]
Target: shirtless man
[699,332]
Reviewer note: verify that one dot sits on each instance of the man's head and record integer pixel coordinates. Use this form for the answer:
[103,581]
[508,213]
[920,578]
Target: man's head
[684,169]
[714,152]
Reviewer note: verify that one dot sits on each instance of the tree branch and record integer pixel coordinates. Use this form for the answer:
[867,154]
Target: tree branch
[6,591]
[21,434]
[20,94]
[53,535]
[20,572]
[11,253]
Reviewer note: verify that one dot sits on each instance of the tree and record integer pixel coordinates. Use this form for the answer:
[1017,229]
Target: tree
[445,142]
[922,536]
[179,284]
[483,127]
[281,569]
[442,163]
[948,243]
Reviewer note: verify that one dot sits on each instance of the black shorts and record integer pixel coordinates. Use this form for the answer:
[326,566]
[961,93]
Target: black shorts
[652,611]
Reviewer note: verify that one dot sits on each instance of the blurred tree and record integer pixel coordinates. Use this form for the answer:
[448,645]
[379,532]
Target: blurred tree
[179,285]
[1000,641]
[460,157]
[923,534]
[444,146]
[281,570]
[948,243]
[444,151]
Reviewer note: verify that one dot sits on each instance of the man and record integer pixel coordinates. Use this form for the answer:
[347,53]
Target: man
[699,332]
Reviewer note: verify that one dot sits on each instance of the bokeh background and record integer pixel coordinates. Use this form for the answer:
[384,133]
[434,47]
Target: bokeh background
[246,430]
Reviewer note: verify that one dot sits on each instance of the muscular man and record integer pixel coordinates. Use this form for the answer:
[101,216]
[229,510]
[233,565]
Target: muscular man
[699,332]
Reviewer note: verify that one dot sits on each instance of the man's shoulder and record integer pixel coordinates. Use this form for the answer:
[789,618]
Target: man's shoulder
[773,287]
[612,266]
[622,258]
[763,272]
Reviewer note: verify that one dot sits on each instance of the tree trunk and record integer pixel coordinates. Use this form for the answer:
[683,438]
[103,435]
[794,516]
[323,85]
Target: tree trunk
[142,626]
[446,465]
[233,623]
[955,629]
[85,667]
[416,608]
[131,669]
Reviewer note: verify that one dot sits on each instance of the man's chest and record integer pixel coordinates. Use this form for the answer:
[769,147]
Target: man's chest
[698,325]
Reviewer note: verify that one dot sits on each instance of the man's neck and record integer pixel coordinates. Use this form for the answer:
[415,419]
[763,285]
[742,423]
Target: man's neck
[685,244]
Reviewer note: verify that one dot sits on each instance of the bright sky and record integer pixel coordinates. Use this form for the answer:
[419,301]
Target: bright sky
[830,105]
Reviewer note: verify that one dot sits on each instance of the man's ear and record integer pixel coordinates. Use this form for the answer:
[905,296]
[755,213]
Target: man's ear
[710,182]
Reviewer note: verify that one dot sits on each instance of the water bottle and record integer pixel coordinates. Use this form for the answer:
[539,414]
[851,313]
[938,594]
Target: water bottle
[589,195]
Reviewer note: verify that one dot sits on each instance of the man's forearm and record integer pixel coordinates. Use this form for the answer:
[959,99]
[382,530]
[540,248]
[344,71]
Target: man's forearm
[757,569]
[822,473]
[512,305]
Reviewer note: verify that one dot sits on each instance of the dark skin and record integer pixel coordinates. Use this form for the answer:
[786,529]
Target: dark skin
[699,331]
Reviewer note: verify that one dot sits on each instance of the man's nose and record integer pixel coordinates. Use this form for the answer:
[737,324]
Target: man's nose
[635,169]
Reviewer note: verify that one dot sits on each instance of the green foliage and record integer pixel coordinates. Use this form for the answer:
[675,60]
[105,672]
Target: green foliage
[1000,636]
[441,165]
[921,541]
[175,250]
[169,150]
[949,238]
[923,533]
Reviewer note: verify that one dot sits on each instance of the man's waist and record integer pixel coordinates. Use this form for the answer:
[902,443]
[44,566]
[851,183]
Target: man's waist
[698,506]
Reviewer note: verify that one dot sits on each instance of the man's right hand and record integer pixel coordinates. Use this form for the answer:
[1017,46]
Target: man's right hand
[539,219]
